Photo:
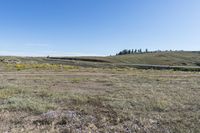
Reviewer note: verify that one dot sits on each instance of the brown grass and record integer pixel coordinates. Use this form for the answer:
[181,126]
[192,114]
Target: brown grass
[99,100]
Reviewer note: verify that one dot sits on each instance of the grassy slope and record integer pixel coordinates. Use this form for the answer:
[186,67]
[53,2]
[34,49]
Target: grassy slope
[163,58]
[189,60]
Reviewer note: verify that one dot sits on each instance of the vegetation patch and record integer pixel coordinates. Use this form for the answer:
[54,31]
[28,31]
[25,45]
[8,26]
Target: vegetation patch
[9,91]
[28,104]
[37,66]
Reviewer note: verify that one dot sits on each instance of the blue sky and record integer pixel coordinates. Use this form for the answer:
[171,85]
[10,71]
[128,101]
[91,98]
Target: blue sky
[97,27]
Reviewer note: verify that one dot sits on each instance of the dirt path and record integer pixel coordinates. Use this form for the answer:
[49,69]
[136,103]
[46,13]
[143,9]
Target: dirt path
[54,74]
[92,74]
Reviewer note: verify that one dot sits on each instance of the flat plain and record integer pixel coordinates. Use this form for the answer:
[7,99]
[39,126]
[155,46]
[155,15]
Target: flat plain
[42,97]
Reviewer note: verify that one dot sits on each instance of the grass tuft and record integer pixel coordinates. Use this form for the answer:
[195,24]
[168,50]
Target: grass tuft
[28,104]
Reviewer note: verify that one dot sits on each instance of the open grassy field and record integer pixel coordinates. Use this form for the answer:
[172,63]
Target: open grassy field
[40,97]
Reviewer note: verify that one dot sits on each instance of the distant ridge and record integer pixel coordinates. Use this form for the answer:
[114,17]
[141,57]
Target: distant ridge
[176,58]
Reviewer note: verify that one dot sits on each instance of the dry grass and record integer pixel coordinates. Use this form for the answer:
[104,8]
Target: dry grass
[42,66]
[99,100]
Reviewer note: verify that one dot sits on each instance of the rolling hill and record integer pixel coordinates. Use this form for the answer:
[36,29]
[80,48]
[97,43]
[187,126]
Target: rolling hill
[160,58]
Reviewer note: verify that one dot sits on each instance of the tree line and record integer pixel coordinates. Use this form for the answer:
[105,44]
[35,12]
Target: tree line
[132,51]
[140,51]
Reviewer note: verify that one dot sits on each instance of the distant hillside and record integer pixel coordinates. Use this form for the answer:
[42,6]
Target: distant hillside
[160,58]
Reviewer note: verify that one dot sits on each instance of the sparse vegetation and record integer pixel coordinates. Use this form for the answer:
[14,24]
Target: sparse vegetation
[43,66]
[100,100]
[47,97]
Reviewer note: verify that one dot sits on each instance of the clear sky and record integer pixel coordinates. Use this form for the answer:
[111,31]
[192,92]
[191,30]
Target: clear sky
[97,27]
